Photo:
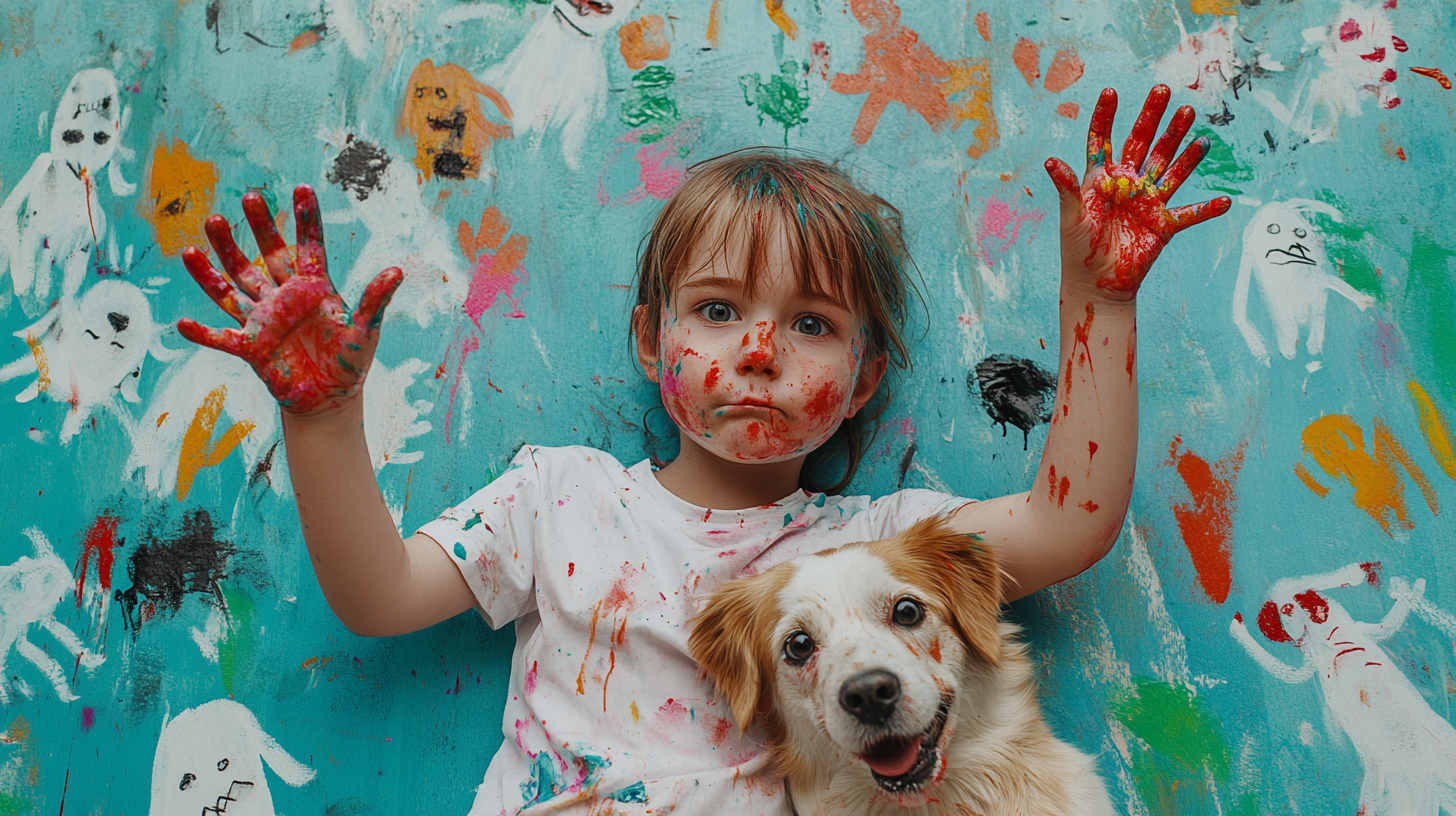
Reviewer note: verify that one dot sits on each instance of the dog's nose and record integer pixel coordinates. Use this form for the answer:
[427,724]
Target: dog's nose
[870,696]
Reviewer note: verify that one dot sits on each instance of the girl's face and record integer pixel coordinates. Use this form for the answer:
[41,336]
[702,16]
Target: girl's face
[764,376]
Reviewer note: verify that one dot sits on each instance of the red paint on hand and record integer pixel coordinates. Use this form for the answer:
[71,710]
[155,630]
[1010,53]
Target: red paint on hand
[296,332]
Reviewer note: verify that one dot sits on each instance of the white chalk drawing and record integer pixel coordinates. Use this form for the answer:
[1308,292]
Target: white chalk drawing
[388,22]
[30,589]
[1284,254]
[1359,51]
[89,353]
[391,418]
[210,760]
[1408,750]
[556,79]
[1204,63]
[53,219]
[403,232]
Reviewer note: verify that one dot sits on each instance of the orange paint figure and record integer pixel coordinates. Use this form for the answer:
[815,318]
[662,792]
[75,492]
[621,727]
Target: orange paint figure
[897,67]
[644,41]
[179,196]
[1338,447]
[442,111]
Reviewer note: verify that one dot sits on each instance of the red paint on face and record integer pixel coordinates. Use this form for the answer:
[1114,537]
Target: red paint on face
[1314,605]
[712,377]
[1207,524]
[1271,625]
[101,541]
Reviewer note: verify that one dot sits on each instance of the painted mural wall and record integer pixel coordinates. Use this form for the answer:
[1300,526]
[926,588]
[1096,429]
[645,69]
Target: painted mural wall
[1272,634]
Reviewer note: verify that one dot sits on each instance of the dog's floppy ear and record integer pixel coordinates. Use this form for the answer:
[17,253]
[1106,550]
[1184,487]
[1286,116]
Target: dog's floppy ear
[731,640]
[962,575]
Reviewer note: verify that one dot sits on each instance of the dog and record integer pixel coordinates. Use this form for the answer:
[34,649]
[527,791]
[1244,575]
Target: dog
[885,682]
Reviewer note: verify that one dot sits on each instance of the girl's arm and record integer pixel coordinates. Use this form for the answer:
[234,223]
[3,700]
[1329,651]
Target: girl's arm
[1113,226]
[313,355]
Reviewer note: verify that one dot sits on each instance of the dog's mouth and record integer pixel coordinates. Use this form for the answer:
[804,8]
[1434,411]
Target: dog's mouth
[901,764]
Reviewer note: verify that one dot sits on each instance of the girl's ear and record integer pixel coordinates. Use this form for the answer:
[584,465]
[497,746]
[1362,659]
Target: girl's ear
[870,374]
[647,355]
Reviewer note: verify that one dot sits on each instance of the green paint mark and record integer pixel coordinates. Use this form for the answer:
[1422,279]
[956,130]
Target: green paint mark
[1221,169]
[238,644]
[1348,244]
[651,104]
[1430,306]
[1173,724]
[476,519]
[783,98]
[14,805]
[460,551]
[635,793]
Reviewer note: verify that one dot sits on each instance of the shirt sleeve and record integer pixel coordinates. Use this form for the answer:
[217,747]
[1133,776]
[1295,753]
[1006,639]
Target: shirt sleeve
[899,511]
[491,537]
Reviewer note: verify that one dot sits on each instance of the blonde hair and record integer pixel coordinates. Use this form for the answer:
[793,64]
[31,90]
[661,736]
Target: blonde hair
[843,243]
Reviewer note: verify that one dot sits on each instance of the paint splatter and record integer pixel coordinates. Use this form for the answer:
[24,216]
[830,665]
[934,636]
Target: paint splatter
[968,92]
[1014,391]
[1436,74]
[783,98]
[1435,428]
[498,272]
[359,168]
[100,542]
[651,102]
[1337,445]
[180,190]
[643,40]
[1206,524]
[897,67]
[165,569]
[199,450]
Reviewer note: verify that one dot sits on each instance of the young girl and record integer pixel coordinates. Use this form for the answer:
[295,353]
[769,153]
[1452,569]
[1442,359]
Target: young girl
[771,297]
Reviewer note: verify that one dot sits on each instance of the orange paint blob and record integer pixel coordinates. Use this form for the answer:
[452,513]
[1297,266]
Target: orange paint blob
[968,92]
[1207,523]
[179,197]
[198,448]
[983,25]
[1027,56]
[1435,428]
[781,18]
[1337,445]
[1069,110]
[1065,70]
[643,40]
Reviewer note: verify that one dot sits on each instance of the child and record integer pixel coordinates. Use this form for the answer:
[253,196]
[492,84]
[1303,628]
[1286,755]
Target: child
[771,295]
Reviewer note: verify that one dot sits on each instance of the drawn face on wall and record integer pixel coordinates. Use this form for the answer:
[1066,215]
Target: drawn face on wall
[213,755]
[1280,237]
[88,122]
[1361,50]
[114,330]
[592,18]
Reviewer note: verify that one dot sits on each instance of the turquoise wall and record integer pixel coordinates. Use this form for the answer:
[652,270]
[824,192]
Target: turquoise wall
[1298,385]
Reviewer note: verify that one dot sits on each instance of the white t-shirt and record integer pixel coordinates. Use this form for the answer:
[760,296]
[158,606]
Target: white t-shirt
[600,567]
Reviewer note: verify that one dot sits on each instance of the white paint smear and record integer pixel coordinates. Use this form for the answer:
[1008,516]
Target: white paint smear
[30,589]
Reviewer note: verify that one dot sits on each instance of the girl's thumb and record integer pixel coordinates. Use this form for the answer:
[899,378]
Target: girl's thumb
[376,297]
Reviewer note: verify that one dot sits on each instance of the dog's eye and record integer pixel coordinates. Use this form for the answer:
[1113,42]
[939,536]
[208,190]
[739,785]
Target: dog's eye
[798,647]
[908,612]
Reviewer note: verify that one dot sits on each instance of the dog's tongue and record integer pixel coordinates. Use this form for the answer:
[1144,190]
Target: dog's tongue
[894,756]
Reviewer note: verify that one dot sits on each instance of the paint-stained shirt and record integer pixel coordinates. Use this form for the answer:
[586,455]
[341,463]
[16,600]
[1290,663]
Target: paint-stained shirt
[600,567]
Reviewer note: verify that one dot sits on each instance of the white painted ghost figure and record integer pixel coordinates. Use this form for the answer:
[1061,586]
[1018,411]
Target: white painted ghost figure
[1359,52]
[30,589]
[556,79]
[1284,254]
[1204,63]
[403,232]
[88,353]
[1408,750]
[391,419]
[53,218]
[210,760]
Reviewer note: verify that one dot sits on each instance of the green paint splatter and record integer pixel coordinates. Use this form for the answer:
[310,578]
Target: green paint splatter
[1430,307]
[238,645]
[1348,244]
[471,522]
[1173,724]
[635,793]
[14,805]
[783,98]
[651,103]
[1221,169]
[460,551]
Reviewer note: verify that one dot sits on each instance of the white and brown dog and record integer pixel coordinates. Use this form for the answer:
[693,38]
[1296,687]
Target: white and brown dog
[886,683]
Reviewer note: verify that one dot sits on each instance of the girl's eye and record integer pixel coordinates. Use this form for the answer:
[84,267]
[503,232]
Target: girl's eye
[811,326]
[718,312]
[908,613]
[798,646]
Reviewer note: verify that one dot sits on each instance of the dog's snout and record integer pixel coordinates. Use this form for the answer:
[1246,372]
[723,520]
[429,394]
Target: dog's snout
[871,696]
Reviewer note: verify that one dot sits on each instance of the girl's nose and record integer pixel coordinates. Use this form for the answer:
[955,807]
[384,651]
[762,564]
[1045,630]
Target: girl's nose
[759,354]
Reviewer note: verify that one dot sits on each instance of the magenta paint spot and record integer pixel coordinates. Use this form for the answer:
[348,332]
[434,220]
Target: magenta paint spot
[1350,30]
[88,718]
[1003,222]
[487,286]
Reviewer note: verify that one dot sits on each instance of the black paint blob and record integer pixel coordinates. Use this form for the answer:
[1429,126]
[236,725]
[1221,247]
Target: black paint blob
[359,167]
[166,569]
[1014,391]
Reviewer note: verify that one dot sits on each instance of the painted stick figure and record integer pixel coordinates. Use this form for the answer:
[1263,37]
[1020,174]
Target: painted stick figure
[897,67]
[1284,254]
[1408,751]
[30,588]
[53,218]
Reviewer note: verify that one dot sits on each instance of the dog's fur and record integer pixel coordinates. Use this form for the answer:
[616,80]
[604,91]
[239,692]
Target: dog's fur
[960,665]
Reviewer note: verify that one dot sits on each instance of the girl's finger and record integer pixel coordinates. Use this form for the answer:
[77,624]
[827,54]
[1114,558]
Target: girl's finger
[231,341]
[1099,133]
[1183,167]
[220,289]
[375,298]
[1069,191]
[249,278]
[1135,149]
[1168,145]
[312,262]
[274,251]
[1185,217]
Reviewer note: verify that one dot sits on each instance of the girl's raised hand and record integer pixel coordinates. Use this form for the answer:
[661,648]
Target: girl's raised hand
[296,331]
[1116,221]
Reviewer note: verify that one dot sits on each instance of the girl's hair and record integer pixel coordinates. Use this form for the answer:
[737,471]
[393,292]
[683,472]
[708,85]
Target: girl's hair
[843,243]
